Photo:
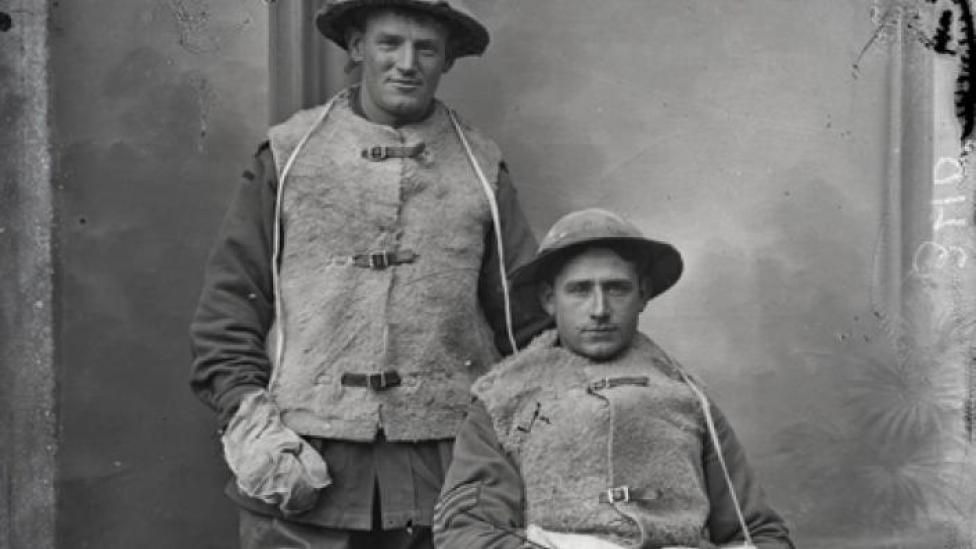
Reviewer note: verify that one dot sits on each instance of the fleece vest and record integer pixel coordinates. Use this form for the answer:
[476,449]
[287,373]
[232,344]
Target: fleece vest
[421,319]
[578,428]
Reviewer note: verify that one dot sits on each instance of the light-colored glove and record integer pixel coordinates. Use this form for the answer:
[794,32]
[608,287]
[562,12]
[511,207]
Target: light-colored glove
[556,540]
[270,461]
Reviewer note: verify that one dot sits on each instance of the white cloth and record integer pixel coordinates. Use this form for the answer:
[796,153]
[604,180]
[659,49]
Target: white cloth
[270,461]
[557,540]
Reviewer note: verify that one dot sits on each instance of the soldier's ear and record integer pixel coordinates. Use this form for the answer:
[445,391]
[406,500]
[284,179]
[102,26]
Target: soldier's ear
[646,291]
[354,44]
[546,298]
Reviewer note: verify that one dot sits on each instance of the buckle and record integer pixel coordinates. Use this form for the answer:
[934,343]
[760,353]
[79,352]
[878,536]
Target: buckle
[383,259]
[379,260]
[375,153]
[611,382]
[599,384]
[620,494]
[383,380]
[379,381]
[376,382]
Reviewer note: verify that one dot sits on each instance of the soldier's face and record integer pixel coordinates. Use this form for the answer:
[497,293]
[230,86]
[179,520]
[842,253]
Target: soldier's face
[402,58]
[596,299]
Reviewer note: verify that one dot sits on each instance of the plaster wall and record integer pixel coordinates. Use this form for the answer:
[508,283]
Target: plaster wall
[158,106]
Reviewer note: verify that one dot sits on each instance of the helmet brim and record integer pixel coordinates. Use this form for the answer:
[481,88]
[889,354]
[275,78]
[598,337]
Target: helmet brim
[468,36]
[662,262]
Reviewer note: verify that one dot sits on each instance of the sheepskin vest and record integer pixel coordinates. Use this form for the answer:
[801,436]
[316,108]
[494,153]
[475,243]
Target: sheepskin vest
[578,428]
[421,319]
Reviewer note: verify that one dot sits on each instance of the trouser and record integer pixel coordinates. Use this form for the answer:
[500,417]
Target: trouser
[265,532]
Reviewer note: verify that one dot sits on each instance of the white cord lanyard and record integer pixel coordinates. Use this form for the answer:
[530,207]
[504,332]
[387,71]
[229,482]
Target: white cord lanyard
[496,219]
[276,244]
[712,431]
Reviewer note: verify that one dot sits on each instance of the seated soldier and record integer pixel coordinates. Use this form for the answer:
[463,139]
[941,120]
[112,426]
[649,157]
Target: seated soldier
[593,437]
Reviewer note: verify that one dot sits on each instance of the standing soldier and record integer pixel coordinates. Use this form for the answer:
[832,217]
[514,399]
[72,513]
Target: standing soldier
[357,288]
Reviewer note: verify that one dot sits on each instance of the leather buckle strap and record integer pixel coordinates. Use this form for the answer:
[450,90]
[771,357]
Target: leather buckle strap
[376,382]
[379,153]
[624,494]
[621,494]
[611,382]
[382,260]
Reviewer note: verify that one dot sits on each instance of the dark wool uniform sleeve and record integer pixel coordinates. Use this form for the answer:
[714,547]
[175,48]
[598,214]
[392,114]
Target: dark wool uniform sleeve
[766,527]
[482,494]
[235,310]
[528,318]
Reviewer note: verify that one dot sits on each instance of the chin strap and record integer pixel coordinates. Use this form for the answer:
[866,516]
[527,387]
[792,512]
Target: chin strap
[496,219]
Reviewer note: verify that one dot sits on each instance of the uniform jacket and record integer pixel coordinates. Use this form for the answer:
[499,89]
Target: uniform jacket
[431,320]
[616,449]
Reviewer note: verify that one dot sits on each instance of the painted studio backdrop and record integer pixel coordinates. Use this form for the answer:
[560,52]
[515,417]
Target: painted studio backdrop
[810,158]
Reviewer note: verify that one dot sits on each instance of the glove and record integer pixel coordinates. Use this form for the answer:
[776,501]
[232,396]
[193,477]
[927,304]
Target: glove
[555,540]
[270,461]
